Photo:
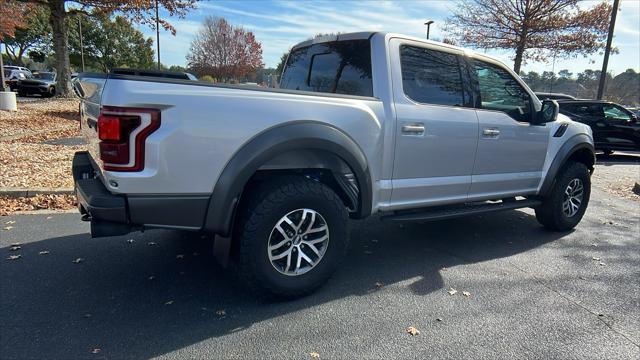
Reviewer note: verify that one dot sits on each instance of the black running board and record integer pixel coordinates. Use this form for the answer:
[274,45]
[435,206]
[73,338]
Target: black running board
[454,211]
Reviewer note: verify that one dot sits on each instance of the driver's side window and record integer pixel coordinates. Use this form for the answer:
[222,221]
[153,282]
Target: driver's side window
[615,114]
[501,92]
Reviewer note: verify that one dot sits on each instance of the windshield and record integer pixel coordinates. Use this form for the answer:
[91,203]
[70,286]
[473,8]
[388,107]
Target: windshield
[44,76]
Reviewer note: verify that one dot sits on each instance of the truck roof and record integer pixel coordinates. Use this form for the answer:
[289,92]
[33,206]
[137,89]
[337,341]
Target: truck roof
[362,35]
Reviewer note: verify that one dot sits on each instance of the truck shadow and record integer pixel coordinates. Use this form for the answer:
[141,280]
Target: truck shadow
[163,291]
[618,158]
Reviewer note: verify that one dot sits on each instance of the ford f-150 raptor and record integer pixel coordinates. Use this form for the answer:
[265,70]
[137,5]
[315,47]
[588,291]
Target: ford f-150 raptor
[362,123]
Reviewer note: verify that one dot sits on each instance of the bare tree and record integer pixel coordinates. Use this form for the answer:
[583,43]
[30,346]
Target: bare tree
[535,29]
[224,51]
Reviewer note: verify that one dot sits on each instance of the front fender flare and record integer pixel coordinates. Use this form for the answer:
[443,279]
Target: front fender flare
[570,147]
[275,141]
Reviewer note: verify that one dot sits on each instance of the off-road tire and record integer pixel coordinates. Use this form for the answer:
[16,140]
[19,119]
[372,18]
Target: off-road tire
[258,214]
[550,213]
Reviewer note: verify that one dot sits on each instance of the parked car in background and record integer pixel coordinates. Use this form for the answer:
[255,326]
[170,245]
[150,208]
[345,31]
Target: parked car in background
[554,96]
[613,126]
[13,74]
[40,83]
[363,123]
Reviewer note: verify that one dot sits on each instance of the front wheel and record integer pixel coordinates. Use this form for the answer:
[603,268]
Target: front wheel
[565,206]
[51,92]
[292,235]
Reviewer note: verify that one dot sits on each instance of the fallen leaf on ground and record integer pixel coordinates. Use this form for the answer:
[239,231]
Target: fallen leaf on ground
[14,257]
[151,243]
[413,331]
[378,284]
[438,319]
[49,217]
[452,291]
[130,241]
[10,222]
[466,293]
[602,264]
[594,245]
[221,312]
[78,260]
[8,227]
[95,351]
[595,258]
[15,248]
[179,256]
[43,252]
[314,355]
[169,302]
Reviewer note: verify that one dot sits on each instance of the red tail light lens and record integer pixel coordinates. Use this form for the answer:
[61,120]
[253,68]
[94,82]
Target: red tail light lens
[122,130]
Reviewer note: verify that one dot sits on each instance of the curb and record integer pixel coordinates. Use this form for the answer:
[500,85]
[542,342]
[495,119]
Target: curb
[31,192]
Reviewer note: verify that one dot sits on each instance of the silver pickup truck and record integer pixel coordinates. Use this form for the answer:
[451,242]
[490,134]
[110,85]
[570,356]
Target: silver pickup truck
[363,123]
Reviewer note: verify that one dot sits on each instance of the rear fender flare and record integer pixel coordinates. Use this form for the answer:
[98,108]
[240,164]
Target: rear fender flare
[271,143]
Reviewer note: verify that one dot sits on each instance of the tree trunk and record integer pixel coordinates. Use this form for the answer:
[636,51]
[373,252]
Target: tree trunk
[517,62]
[58,20]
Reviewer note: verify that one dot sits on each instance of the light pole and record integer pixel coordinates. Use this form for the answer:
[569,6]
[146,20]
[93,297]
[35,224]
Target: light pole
[2,88]
[158,34]
[81,45]
[428,24]
[607,50]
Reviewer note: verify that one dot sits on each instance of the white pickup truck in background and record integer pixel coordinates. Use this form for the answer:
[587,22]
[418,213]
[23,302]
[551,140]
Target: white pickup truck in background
[363,123]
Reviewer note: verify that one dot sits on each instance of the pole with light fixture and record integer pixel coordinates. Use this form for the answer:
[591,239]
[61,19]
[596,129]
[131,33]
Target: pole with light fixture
[158,34]
[428,24]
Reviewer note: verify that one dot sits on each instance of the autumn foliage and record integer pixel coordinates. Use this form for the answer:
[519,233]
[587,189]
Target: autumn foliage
[535,29]
[224,51]
[12,16]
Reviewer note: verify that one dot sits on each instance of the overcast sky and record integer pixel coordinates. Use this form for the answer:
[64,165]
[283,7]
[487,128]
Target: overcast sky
[280,24]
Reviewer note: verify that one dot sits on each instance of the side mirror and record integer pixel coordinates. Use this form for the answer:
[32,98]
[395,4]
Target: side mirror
[548,112]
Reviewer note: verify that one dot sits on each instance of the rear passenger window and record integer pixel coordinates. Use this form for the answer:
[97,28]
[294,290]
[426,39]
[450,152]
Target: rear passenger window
[341,67]
[431,77]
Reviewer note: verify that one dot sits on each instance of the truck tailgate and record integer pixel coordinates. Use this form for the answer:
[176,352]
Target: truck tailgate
[89,87]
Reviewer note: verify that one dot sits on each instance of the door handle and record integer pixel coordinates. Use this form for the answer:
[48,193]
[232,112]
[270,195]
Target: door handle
[413,129]
[493,133]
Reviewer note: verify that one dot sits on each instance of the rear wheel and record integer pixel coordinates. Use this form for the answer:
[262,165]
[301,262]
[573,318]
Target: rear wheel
[292,235]
[565,206]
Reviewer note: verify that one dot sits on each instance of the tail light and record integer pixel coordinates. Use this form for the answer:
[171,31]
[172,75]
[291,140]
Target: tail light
[122,133]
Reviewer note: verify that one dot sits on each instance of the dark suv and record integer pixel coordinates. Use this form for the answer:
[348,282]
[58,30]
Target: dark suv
[614,127]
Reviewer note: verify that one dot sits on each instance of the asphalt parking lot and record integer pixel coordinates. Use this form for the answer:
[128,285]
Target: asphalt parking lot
[533,293]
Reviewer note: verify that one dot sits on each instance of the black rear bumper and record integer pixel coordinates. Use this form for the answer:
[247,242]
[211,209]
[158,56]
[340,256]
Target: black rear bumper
[116,214]
[106,211]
